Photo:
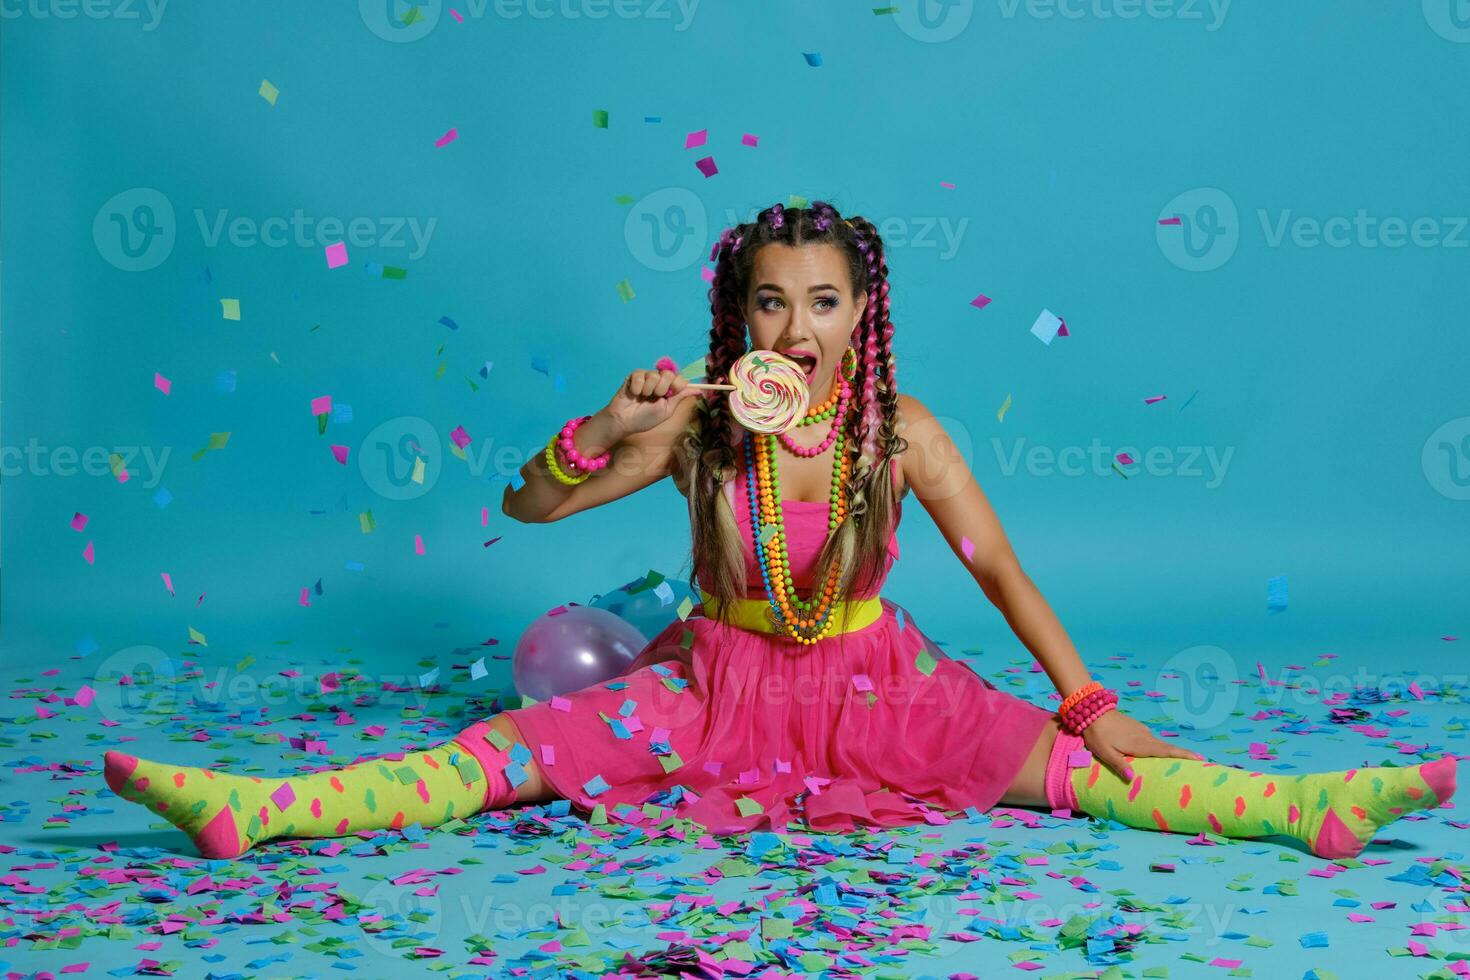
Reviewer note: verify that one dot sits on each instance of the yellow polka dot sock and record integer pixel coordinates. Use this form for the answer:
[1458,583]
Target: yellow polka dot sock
[1335,814]
[225,815]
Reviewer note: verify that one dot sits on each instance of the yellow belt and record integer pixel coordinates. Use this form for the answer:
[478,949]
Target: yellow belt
[750,614]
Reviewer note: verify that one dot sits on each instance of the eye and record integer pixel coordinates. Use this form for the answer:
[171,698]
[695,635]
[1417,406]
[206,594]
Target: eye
[829,299]
[761,303]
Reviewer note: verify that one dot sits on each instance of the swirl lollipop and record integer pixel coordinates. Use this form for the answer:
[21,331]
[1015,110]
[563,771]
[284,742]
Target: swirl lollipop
[768,391]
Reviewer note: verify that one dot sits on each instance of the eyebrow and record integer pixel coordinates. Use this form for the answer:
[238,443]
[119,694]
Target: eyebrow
[813,289]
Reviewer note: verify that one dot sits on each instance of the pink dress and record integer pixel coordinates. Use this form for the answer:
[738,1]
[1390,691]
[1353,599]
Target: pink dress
[848,731]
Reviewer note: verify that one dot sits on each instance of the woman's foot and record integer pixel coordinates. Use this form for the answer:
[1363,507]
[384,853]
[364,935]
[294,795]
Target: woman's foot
[1342,811]
[208,806]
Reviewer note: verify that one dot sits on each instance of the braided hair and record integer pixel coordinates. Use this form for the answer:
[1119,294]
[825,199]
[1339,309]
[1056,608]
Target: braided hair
[706,454]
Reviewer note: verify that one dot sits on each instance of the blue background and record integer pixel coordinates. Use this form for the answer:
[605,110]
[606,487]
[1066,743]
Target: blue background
[1323,372]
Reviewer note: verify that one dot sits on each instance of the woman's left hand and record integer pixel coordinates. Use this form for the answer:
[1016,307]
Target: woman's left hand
[1115,739]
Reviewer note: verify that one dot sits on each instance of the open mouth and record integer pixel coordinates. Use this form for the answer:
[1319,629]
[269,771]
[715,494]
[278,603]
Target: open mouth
[807,364]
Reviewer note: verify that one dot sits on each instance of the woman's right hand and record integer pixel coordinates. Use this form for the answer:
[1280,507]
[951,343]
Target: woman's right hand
[647,399]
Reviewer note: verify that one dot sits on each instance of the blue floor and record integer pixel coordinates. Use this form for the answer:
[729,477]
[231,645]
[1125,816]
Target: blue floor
[95,885]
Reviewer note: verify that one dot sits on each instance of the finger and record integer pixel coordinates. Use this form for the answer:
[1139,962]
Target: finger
[661,387]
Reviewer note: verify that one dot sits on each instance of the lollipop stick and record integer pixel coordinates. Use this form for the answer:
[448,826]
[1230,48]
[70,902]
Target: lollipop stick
[711,387]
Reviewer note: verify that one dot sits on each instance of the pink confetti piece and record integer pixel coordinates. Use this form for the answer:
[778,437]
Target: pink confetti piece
[484,516]
[1170,221]
[339,453]
[283,796]
[862,682]
[78,521]
[336,255]
[161,383]
[548,754]
[447,138]
[1124,458]
[559,703]
[697,138]
[456,15]
[980,302]
[418,544]
[946,185]
[83,697]
[329,682]
[1155,398]
[168,583]
[305,591]
[707,166]
[89,554]
[321,405]
[460,437]
[967,547]
[1451,639]
[706,273]
[1079,758]
[749,139]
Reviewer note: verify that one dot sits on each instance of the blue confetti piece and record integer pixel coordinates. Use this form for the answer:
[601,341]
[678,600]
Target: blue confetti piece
[628,707]
[898,615]
[225,381]
[520,754]
[595,786]
[341,412]
[354,566]
[449,323]
[163,498]
[559,384]
[539,363]
[516,480]
[1314,940]
[86,645]
[373,270]
[813,58]
[653,119]
[515,773]
[1276,593]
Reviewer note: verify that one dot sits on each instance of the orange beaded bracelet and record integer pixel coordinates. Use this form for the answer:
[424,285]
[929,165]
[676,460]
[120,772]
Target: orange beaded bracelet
[1079,694]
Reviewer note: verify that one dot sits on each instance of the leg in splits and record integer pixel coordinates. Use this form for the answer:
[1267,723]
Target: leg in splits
[1335,814]
[225,814]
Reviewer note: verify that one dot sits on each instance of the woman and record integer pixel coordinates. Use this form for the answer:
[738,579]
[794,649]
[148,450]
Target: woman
[794,694]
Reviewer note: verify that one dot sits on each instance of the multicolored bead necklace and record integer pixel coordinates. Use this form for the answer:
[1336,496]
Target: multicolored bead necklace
[810,620]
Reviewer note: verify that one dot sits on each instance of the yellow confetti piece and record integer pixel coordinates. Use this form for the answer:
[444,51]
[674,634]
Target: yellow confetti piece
[197,637]
[1005,406]
[231,308]
[685,608]
[115,461]
[217,440]
[458,452]
[268,91]
[418,469]
[249,659]
[366,520]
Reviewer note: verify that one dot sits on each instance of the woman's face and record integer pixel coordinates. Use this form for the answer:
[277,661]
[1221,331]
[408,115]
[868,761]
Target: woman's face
[801,303]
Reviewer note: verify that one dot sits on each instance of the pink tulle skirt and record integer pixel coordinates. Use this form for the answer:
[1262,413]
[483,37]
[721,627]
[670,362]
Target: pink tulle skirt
[741,731]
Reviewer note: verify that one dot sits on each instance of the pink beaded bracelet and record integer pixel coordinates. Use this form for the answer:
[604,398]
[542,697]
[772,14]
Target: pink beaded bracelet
[569,448]
[1082,714]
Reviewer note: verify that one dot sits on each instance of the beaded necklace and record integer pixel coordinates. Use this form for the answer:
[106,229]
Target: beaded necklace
[806,621]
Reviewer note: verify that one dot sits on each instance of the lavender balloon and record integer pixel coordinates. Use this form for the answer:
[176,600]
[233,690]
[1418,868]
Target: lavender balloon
[572,650]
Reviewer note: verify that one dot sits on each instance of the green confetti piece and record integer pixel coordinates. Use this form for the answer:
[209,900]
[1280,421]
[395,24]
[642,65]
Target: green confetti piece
[747,806]
[365,519]
[394,272]
[599,118]
[406,775]
[217,440]
[495,738]
[197,637]
[625,290]
[925,662]
[670,762]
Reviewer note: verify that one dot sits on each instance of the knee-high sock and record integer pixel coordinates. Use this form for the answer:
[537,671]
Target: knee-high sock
[1335,813]
[225,815]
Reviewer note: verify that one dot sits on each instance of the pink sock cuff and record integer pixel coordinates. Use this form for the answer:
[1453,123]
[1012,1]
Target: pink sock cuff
[498,791]
[1059,792]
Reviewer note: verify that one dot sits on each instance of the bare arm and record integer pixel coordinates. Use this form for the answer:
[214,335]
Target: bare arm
[939,477]
[639,459]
